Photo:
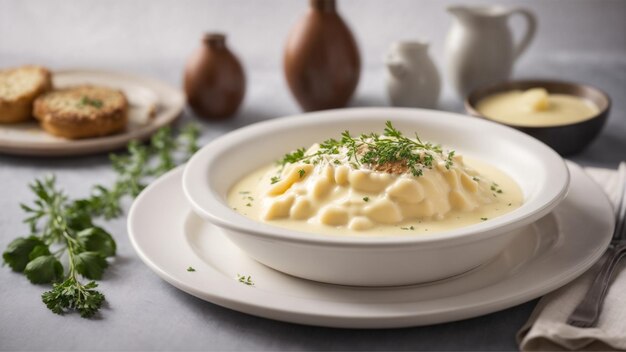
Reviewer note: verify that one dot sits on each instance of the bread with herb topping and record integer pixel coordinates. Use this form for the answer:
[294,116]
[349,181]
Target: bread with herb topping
[19,87]
[82,112]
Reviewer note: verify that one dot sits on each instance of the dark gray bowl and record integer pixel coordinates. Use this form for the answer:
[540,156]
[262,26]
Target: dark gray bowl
[565,139]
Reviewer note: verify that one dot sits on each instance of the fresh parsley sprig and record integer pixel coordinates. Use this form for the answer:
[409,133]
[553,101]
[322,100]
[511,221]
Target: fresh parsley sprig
[61,227]
[62,230]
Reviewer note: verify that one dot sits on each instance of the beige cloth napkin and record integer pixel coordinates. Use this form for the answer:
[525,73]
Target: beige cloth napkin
[546,329]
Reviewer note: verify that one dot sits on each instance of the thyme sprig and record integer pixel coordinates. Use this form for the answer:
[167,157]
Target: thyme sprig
[139,165]
[374,150]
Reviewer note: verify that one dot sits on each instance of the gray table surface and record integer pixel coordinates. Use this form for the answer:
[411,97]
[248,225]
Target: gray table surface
[145,313]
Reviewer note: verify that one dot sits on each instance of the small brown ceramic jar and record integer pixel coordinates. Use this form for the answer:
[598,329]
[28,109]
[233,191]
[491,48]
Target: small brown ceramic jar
[214,79]
[321,61]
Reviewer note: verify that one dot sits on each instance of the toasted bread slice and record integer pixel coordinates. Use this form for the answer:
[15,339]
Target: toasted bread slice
[19,87]
[82,112]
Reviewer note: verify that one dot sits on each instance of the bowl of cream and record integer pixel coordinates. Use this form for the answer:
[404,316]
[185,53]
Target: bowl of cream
[374,196]
[566,116]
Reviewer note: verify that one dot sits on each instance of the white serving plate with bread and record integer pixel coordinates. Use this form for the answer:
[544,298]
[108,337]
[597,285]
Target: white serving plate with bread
[151,104]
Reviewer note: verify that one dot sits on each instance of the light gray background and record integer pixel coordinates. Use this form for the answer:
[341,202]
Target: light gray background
[577,41]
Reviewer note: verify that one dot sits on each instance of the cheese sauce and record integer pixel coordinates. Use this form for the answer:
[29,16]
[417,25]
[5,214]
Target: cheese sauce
[536,108]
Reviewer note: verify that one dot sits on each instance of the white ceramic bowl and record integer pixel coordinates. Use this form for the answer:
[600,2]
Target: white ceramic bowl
[373,261]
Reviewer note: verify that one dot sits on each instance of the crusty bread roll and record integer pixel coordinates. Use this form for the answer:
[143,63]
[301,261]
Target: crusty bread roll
[19,87]
[82,112]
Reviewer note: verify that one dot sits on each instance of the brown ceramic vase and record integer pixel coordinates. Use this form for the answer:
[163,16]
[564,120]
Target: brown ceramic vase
[321,61]
[214,79]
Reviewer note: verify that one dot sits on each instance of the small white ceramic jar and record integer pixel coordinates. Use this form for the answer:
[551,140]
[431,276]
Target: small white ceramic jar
[412,77]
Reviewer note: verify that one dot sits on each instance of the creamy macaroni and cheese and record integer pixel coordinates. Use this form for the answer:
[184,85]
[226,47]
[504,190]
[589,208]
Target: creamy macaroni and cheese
[378,184]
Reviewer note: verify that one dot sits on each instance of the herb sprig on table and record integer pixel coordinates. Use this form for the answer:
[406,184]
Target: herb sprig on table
[62,230]
[375,150]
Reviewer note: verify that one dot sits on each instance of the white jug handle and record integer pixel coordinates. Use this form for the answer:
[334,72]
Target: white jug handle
[531,27]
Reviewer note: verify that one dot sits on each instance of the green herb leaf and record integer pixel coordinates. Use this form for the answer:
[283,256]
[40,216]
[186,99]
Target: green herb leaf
[18,252]
[449,160]
[164,143]
[87,101]
[246,280]
[496,188]
[293,157]
[189,138]
[90,265]
[190,269]
[44,269]
[38,251]
[96,239]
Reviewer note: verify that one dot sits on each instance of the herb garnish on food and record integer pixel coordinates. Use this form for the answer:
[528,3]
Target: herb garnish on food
[62,231]
[275,179]
[191,269]
[87,101]
[496,188]
[373,150]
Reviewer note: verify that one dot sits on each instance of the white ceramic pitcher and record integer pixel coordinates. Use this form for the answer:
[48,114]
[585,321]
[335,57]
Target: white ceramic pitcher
[480,49]
[412,77]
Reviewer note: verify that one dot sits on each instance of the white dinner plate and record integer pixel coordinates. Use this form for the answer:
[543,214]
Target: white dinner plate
[153,104]
[544,256]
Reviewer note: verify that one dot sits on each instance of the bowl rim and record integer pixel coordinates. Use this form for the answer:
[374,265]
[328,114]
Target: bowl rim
[503,86]
[220,214]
